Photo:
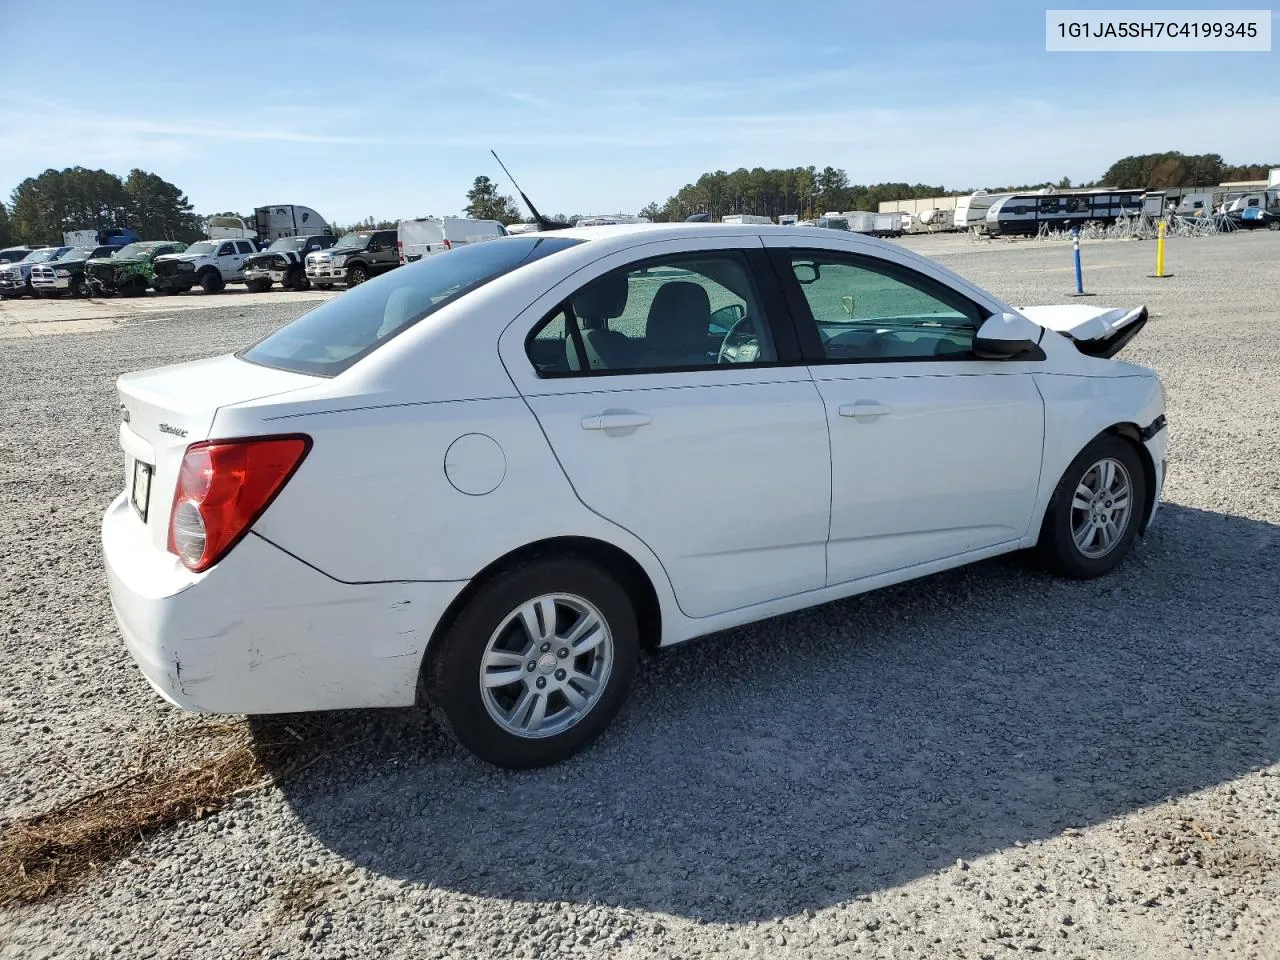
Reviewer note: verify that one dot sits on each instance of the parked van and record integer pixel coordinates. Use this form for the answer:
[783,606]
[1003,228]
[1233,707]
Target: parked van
[423,237]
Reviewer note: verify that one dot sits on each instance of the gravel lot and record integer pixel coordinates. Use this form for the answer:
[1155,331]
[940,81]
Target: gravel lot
[984,761]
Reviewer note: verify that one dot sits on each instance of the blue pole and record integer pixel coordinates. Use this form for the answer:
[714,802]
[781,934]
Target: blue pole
[1075,242]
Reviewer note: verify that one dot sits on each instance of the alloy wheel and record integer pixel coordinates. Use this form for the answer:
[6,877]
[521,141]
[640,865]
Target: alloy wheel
[1101,508]
[546,665]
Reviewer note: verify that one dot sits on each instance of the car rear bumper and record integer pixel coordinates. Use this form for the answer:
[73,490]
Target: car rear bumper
[262,632]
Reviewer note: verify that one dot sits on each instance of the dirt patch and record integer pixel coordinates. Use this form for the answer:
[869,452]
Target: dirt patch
[60,849]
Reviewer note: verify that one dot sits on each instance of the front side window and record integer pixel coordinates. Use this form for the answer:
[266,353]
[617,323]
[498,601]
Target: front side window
[684,312]
[867,311]
[329,339]
[226,250]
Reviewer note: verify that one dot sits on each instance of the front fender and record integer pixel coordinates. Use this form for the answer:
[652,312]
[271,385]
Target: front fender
[1079,408]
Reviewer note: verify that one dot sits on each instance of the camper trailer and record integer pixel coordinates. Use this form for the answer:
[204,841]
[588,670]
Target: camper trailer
[744,218]
[935,219]
[1022,214]
[971,211]
[1195,204]
[1259,208]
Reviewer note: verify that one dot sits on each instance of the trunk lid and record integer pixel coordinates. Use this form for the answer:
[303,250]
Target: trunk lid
[166,409]
[1096,331]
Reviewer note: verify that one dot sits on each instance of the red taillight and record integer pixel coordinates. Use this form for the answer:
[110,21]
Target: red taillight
[447,244]
[223,487]
[400,250]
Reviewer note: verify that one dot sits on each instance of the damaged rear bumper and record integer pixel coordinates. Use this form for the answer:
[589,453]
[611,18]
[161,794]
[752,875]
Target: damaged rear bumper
[262,632]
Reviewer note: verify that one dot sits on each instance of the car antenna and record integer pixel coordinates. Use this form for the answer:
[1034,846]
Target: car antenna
[542,222]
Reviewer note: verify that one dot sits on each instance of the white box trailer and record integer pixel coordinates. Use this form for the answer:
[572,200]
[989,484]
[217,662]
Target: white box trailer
[744,218]
[228,228]
[863,221]
[887,224]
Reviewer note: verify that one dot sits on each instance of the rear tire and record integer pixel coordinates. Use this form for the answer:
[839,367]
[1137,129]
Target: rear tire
[465,677]
[1096,511]
[211,281]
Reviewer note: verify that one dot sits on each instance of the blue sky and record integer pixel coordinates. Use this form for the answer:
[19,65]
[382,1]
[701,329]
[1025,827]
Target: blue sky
[389,109]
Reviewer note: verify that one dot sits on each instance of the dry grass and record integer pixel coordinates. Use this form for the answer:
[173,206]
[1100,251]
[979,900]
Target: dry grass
[59,850]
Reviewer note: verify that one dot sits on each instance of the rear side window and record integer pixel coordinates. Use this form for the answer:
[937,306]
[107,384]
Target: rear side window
[329,339]
[244,246]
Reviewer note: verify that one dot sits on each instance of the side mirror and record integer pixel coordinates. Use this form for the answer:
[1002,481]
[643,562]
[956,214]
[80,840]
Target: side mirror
[1008,336]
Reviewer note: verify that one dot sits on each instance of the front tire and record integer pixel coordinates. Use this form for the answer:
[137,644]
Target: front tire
[296,279]
[1096,511]
[211,281]
[357,274]
[258,286]
[537,664]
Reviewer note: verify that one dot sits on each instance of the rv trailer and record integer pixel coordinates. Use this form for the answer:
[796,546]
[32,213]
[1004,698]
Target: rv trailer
[971,211]
[1022,214]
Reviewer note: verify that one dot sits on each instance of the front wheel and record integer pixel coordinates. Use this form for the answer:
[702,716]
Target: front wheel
[258,285]
[1094,514]
[296,280]
[537,663]
[357,274]
[211,281]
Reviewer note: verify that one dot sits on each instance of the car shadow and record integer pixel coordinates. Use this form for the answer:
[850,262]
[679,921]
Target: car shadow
[815,757]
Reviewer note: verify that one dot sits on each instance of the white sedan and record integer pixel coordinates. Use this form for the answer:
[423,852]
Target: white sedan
[485,479]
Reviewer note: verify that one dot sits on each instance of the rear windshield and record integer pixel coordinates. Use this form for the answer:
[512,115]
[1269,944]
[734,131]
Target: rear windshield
[336,334]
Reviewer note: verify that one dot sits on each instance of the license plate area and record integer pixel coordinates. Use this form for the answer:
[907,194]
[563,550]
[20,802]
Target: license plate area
[140,489]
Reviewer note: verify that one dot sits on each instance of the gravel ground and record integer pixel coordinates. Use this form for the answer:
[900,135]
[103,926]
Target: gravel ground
[983,761]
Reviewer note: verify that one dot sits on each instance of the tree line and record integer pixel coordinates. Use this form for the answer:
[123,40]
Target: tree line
[42,208]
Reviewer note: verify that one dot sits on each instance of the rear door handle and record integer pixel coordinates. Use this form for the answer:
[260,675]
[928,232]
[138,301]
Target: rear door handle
[863,409]
[615,421]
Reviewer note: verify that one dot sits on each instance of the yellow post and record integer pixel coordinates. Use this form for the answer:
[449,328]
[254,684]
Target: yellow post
[1160,249]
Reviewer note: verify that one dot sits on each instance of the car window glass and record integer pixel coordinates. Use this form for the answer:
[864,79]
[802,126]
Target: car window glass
[338,333]
[244,246]
[686,312]
[864,312]
[226,250]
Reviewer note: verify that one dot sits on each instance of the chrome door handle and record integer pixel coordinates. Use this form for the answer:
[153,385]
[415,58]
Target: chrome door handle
[863,409]
[615,421]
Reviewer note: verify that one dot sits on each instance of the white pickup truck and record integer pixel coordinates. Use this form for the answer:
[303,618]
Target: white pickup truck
[211,263]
